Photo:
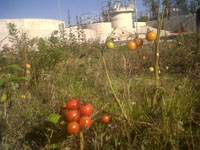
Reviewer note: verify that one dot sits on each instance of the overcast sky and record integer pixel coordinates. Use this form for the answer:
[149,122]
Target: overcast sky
[48,9]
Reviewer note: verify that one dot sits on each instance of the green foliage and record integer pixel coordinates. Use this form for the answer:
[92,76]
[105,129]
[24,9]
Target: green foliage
[15,67]
[54,118]
[143,19]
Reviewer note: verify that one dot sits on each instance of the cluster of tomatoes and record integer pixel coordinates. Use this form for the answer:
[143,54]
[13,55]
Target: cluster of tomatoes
[77,115]
[28,67]
[133,44]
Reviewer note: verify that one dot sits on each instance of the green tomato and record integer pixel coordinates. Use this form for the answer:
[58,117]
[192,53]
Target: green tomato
[110,45]
[3,98]
[151,69]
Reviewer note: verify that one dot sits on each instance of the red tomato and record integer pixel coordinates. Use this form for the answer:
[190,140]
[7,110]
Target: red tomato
[73,104]
[131,45]
[73,127]
[72,115]
[105,118]
[85,122]
[86,110]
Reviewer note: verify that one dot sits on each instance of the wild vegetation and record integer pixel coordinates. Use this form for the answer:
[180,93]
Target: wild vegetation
[60,70]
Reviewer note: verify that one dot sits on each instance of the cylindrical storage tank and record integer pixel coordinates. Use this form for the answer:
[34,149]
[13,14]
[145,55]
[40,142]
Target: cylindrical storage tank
[102,30]
[33,27]
[100,27]
[122,18]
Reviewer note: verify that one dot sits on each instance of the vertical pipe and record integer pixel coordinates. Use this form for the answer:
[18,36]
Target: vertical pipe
[59,9]
[136,20]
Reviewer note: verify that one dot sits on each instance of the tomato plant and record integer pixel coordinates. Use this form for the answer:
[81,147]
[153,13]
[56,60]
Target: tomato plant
[138,42]
[72,115]
[86,110]
[105,118]
[73,127]
[85,122]
[151,36]
[73,104]
[131,45]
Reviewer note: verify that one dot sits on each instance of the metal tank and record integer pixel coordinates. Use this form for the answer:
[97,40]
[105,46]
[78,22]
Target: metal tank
[119,13]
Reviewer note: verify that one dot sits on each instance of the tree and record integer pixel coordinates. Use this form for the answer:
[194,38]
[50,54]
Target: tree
[193,6]
[169,5]
[143,19]
[152,5]
[182,5]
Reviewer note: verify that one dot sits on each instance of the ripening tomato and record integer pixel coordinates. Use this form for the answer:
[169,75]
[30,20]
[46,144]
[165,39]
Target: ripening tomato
[138,42]
[131,45]
[73,127]
[28,72]
[105,118]
[73,104]
[151,36]
[151,69]
[85,122]
[86,110]
[110,44]
[28,66]
[72,115]
[143,57]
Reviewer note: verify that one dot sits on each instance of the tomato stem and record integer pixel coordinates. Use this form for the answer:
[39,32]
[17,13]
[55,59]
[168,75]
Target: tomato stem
[157,52]
[81,141]
[113,91]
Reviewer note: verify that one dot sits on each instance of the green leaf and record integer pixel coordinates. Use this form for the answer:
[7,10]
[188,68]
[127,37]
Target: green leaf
[3,98]
[16,67]
[54,118]
[18,78]
[3,80]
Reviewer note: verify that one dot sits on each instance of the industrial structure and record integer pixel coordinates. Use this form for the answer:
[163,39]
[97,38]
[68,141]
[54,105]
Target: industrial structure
[116,20]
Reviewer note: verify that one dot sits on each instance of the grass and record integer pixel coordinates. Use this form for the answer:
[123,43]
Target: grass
[63,71]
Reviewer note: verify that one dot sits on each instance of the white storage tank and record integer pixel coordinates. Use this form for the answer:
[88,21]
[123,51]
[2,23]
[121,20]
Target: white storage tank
[102,30]
[122,18]
[33,27]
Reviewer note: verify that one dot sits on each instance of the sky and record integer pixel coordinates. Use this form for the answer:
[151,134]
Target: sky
[49,9]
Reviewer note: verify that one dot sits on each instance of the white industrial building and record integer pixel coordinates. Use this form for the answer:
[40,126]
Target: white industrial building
[116,20]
